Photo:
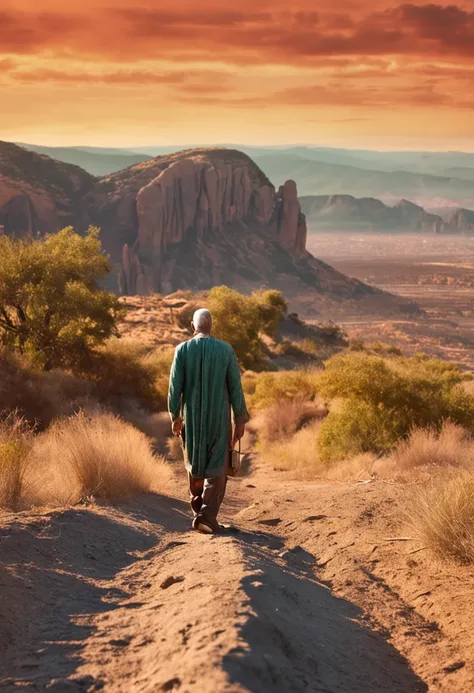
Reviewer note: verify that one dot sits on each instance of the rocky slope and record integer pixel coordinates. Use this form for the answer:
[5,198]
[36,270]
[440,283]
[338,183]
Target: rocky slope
[39,194]
[347,212]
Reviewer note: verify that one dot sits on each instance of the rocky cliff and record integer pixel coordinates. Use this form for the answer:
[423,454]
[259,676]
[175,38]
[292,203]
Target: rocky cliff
[199,218]
[347,212]
[38,194]
[191,220]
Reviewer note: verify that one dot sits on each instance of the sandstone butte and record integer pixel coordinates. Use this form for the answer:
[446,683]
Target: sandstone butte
[191,220]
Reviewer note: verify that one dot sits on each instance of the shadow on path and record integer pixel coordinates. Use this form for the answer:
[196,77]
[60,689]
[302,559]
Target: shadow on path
[300,637]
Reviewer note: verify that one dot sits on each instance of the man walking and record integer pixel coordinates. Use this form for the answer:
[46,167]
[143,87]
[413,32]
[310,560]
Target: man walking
[205,385]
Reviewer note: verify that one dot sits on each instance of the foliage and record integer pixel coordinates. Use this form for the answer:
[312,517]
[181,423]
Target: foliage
[52,306]
[239,319]
[272,388]
[383,399]
[271,308]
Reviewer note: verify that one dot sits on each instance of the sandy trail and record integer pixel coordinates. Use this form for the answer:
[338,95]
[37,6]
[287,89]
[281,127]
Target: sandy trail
[130,600]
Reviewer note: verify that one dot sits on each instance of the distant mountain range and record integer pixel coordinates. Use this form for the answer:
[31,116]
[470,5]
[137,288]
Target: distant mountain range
[430,179]
[95,160]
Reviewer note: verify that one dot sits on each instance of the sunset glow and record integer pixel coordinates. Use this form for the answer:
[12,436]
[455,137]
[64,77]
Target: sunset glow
[338,74]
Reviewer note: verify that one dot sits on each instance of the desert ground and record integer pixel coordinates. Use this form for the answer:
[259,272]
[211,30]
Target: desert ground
[324,589]
[434,271]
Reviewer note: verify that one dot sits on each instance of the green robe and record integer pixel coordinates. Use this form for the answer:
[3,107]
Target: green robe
[204,384]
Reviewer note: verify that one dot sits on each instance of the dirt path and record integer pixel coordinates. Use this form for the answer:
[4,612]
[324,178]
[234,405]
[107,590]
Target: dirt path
[130,600]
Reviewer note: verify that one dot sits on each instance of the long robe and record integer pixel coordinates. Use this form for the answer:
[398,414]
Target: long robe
[204,384]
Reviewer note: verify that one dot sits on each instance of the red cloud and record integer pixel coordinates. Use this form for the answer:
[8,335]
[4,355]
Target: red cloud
[250,37]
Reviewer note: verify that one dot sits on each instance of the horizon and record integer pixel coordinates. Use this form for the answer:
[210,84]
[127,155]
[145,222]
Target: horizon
[394,76]
[237,145]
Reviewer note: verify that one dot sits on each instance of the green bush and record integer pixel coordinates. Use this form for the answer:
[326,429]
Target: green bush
[383,399]
[52,306]
[239,320]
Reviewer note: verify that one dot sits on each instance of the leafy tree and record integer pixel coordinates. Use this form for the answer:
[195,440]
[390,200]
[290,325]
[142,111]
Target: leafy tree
[52,306]
[236,320]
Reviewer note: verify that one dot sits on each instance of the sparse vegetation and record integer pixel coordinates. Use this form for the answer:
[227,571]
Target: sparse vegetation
[443,515]
[16,443]
[123,369]
[452,446]
[84,456]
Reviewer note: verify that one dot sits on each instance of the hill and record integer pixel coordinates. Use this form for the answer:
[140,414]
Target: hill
[321,178]
[39,194]
[346,212]
[95,160]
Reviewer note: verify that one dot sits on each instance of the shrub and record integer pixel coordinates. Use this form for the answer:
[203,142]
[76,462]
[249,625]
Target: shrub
[271,307]
[239,320]
[39,397]
[272,388]
[236,320]
[16,442]
[99,456]
[443,515]
[382,400]
[123,369]
[52,306]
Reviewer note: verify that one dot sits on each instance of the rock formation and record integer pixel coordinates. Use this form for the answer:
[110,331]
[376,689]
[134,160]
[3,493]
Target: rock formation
[462,220]
[39,195]
[347,212]
[196,219]
[192,220]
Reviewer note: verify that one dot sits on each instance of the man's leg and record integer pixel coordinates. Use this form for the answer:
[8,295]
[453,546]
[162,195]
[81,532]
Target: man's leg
[212,497]
[196,487]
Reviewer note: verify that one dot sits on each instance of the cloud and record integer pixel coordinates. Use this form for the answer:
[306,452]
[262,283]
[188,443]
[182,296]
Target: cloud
[242,35]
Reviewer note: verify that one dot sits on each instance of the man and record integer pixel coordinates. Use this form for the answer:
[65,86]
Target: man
[205,385]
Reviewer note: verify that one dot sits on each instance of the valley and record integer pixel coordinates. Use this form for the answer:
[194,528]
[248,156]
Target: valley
[435,271]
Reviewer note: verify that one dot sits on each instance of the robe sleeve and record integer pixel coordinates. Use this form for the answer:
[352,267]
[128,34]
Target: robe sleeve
[236,393]
[176,386]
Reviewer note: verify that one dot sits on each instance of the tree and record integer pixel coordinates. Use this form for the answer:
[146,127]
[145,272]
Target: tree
[52,306]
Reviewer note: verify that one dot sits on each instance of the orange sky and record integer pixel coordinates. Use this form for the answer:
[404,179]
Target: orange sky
[357,74]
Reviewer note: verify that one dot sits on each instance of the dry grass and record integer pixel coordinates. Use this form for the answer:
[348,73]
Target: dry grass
[16,443]
[442,514]
[282,420]
[452,447]
[99,456]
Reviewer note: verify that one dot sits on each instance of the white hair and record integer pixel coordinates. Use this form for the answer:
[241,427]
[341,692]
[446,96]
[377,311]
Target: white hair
[202,321]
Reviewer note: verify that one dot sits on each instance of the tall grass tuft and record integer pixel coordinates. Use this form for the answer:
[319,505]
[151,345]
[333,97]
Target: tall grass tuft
[97,456]
[443,516]
[16,443]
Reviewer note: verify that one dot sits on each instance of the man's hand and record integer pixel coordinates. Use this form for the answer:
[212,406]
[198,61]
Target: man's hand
[239,431]
[177,426]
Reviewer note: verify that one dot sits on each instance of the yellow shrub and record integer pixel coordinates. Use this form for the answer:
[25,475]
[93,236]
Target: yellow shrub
[283,386]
